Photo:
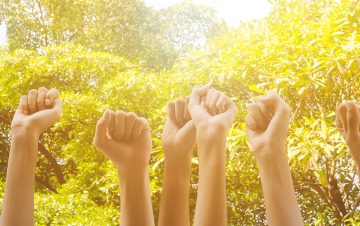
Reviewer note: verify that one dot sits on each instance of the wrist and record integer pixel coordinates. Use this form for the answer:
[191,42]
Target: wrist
[211,133]
[24,132]
[24,145]
[212,154]
[355,152]
[269,149]
[178,158]
[177,171]
[274,167]
[128,175]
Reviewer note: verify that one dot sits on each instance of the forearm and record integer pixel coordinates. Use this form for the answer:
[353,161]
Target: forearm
[355,154]
[18,204]
[211,200]
[279,194]
[174,206]
[136,206]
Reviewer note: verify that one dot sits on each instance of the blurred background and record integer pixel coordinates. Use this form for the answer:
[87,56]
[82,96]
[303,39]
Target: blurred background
[136,55]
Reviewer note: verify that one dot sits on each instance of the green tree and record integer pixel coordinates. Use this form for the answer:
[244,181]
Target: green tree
[306,50]
[126,28]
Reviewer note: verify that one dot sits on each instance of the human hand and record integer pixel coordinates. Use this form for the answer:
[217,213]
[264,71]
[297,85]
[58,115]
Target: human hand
[124,138]
[179,135]
[36,112]
[267,123]
[211,111]
[348,123]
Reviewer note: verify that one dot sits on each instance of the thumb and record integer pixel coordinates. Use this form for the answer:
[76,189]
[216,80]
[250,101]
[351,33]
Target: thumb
[281,118]
[188,131]
[230,111]
[197,94]
[101,128]
[46,118]
[196,110]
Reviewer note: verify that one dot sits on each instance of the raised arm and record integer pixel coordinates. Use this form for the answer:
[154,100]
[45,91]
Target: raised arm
[179,142]
[211,131]
[267,127]
[348,123]
[36,112]
[125,139]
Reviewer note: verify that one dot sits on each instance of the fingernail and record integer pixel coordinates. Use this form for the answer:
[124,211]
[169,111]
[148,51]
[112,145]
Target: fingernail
[47,101]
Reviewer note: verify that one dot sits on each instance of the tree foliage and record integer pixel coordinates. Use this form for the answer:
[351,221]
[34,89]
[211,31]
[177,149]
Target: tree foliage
[126,28]
[306,50]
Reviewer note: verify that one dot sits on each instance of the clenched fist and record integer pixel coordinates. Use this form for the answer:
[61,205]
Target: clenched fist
[124,138]
[36,112]
[211,111]
[348,123]
[267,123]
[179,135]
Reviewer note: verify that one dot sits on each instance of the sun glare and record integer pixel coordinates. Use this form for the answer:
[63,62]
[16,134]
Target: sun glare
[232,11]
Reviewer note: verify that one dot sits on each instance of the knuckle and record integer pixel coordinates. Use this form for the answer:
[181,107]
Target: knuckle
[131,115]
[351,108]
[42,89]
[179,101]
[143,120]
[171,103]
[119,113]
[32,92]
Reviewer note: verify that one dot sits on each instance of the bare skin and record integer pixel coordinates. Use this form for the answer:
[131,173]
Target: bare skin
[348,123]
[212,113]
[179,139]
[267,127]
[36,112]
[125,139]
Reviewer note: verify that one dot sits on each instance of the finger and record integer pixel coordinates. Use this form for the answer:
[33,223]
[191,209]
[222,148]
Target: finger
[171,111]
[220,104]
[254,111]
[266,112]
[40,100]
[32,100]
[101,128]
[209,96]
[196,95]
[272,100]
[130,120]
[57,108]
[359,115]
[230,111]
[179,111]
[352,120]
[51,116]
[140,123]
[250,122]
[213,100]
[341,117]
[51,95]
[119,130]
[111,128]
[23,105]
[338,120]
[188,132]
[187,116]
[196,111]
[203,103]
[281,109]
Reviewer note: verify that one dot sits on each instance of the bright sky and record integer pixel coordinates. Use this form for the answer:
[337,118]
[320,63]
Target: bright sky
[232,11]
[2,34]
